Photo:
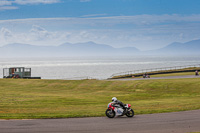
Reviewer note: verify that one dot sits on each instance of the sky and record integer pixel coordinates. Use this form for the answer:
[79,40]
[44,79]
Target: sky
[144,24]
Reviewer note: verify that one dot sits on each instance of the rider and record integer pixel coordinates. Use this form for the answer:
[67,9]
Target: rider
[114,99]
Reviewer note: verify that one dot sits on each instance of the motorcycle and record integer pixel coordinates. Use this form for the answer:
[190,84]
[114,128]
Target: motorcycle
[116,110]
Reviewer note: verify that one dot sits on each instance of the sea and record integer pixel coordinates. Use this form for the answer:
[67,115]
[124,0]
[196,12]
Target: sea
[75,68]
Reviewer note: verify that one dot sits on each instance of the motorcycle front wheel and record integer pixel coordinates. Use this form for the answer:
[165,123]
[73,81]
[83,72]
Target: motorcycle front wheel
[110,113]
[130,113]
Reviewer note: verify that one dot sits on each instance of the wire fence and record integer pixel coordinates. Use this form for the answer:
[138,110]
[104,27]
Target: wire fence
[154,69]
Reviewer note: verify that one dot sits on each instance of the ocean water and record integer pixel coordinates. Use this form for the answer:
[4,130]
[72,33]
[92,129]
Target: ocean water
[93,67]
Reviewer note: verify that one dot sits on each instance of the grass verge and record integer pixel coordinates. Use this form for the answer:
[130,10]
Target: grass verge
[29,99]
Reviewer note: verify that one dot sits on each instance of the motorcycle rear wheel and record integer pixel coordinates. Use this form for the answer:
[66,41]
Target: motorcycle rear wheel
[130,113]
[110,113]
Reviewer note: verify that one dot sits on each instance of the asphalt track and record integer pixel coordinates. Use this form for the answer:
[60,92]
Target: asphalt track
[177,122]
[167,77]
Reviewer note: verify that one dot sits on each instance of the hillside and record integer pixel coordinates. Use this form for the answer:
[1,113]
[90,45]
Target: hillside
[66,49]
[94,49]
[176,48]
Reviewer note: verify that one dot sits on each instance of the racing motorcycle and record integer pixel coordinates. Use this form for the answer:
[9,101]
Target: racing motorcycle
[116,110]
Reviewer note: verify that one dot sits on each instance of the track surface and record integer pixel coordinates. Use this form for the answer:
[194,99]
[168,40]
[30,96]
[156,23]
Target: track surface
[167,77]
[178,122]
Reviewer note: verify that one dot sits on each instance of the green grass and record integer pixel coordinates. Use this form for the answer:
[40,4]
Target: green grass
[29,99]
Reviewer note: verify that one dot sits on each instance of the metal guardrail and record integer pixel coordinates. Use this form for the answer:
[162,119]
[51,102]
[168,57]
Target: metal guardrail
[153,70]
[79,78]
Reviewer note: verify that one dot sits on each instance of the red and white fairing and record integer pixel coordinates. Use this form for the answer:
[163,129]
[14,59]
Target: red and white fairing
[117,108]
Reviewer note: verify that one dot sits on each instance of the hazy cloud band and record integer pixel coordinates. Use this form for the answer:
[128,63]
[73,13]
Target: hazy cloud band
[141,31]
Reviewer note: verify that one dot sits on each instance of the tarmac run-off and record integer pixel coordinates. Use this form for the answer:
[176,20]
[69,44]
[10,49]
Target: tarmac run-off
[177,122]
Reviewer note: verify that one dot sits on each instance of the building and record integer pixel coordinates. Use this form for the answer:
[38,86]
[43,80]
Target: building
[18,72]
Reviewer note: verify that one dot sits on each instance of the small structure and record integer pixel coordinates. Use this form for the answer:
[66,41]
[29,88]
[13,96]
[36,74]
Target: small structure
[18,72]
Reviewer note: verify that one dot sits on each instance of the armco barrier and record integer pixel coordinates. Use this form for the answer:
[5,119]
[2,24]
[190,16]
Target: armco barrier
[154,71]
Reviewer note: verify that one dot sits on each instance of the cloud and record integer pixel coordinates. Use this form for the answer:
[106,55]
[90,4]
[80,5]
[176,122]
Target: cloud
[36,36]
[8,8]
[5,33]
[24,2]
[140,20]
[8,4]
[6,36]
[94,15]
[5,2]
[141,31]
[38,33]
[85,0]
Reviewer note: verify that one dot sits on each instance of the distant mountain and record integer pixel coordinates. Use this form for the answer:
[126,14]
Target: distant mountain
[25,50]
[94,49]
[176,48]
[89,48]
[66,49]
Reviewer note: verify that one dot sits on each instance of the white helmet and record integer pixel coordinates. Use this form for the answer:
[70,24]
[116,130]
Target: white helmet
[114,99]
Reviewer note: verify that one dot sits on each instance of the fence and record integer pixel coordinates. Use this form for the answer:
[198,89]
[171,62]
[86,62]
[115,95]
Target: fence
[153,70]
[78,78]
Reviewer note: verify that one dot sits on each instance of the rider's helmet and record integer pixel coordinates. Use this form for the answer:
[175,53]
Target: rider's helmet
[114,99]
